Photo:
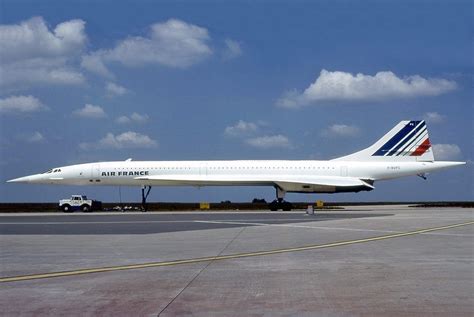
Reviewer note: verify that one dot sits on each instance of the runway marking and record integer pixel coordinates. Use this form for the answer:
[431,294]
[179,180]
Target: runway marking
[450,234]
[224,257]
[323,228]
[417,218]
[137,222]
[294,226]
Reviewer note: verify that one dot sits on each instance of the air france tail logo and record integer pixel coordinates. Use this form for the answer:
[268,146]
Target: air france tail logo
[411,140]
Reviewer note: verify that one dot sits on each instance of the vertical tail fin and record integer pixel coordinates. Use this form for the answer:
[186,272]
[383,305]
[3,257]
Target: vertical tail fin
[407,141]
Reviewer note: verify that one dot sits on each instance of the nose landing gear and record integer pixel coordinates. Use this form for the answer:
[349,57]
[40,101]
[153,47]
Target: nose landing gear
[145,196]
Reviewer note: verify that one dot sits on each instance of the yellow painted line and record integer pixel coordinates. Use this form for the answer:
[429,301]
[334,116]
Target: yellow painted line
[224,257]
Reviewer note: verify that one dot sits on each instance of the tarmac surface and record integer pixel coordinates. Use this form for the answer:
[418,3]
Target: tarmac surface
[360,261]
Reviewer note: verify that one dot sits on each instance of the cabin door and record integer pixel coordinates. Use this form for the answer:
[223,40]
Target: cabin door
[203,169]
[95,171]
[343,170]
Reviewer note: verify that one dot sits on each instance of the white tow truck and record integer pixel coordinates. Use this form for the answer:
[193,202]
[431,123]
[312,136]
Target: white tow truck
[79,202]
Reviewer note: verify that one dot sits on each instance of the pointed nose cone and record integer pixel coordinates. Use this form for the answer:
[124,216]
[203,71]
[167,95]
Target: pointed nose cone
[25,179]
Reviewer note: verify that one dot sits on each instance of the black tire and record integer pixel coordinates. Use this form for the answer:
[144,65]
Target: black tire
[274,205]
[286,206]
[66,208]
[85,208]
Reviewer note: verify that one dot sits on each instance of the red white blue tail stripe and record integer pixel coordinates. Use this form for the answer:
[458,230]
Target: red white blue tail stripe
[411,140]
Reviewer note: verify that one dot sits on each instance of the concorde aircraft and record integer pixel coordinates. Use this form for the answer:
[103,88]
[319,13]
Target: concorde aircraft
[405,150]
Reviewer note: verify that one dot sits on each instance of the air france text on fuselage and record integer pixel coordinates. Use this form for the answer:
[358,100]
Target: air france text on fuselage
[125,173]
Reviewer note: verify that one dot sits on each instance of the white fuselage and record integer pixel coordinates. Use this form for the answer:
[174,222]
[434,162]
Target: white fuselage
[230,173]
[404,150]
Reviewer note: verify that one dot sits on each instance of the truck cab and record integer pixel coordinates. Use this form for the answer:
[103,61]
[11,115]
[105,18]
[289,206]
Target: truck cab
[79,202]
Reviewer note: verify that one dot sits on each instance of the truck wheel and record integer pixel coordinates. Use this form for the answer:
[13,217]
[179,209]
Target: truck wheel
[66,208]
[287,206]
[85,208]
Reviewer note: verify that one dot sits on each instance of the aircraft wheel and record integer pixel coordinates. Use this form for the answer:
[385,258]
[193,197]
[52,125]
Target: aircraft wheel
[274,205]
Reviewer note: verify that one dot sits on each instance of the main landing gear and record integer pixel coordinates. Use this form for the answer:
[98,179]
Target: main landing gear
[145,196]
[279,203]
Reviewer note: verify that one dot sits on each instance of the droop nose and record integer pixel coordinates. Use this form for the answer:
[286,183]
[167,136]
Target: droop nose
[25,179]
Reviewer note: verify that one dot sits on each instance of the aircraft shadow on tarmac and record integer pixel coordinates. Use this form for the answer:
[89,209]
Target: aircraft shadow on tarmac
[150,224]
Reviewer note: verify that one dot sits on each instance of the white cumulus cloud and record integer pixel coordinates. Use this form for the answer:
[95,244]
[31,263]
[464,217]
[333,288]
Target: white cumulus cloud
[91,112]
[126,140]
[31,53]
[446,151]
[269,141]
[94,62]
[36,137]
[23,104]
[232,49]
[343,86]
[433,117]
[173,43]
[133,118]
[32,39]
[114,89]
[123,120]
[39,72]
[139,117]
[241,128]
[341,130]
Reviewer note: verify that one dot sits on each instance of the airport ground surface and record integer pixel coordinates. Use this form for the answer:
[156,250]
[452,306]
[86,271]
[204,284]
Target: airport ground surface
[360,261]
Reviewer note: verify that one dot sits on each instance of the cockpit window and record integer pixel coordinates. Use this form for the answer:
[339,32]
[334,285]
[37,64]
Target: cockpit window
[55,170]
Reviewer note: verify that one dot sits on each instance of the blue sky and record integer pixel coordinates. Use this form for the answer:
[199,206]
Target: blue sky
[85,81]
